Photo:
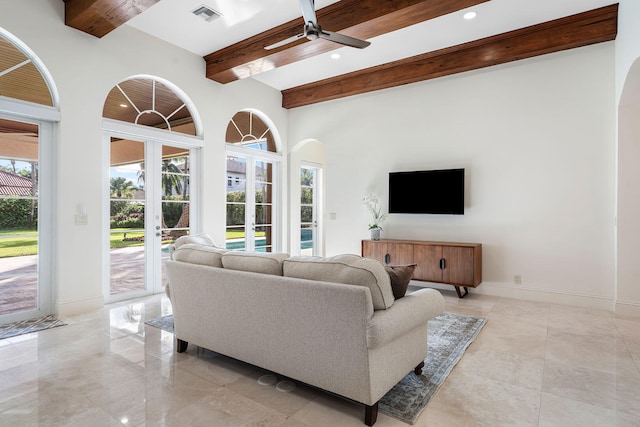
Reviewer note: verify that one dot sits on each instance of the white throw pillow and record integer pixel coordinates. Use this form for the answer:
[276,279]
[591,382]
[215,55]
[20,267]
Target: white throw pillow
[198,239]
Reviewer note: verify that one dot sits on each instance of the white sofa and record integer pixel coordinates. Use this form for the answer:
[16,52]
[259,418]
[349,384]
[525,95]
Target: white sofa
[274,312]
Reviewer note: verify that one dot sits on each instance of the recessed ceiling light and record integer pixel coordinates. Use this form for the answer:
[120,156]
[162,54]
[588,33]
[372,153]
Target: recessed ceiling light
[124,105]
[335,56]
[470,15]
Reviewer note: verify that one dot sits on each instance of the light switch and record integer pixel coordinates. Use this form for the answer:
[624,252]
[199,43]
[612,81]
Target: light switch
[332,215]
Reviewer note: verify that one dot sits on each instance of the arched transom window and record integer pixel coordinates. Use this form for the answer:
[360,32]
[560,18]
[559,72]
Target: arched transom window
[21,75]
[148,101]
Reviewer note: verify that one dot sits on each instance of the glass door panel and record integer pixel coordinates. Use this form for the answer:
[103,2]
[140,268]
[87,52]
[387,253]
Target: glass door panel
[20,287]
[308,212]
[263,212]
[127,213]
[176,198]
[236,203]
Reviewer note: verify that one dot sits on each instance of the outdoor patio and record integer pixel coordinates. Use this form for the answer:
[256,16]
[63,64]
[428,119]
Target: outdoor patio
[18,277]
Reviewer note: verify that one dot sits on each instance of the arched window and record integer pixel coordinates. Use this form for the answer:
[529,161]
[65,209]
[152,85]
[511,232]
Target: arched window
[22,74]
[150,101]
[153,134]
[253,168]
[28,110]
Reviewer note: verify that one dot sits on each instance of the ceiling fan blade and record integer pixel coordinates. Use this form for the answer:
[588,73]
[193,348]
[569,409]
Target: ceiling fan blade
[284,42]
[309,11]
[342,39]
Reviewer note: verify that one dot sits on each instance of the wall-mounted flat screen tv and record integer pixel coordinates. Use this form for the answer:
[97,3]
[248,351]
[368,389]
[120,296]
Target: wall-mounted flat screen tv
[427,192]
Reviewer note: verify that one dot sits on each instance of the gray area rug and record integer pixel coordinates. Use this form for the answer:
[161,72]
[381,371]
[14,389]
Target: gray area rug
[165,323]
[449,335]
[28,326]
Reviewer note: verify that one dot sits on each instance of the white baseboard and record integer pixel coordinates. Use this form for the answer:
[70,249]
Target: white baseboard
[529,294]
[628,308]
[78,306]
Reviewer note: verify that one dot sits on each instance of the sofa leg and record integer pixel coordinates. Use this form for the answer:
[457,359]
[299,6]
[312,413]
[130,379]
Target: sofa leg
[371,414]
[418,369]
[182,345]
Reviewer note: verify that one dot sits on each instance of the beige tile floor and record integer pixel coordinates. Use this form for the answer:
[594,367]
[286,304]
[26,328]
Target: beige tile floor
[533,364]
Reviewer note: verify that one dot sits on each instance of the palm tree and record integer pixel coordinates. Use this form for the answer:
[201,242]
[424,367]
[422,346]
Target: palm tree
[171,181]
[171,178]
[122,188]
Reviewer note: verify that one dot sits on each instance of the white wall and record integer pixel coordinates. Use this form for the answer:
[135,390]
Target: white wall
[84,69]
[537,140]
[628,97]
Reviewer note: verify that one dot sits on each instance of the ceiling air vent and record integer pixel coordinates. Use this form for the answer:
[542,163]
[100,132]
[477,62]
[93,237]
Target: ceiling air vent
[206,13]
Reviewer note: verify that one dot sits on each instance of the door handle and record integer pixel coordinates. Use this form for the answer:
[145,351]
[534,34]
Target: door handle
[387,259]
[443,264]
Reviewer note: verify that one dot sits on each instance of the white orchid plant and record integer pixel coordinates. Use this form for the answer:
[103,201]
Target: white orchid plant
[372,203]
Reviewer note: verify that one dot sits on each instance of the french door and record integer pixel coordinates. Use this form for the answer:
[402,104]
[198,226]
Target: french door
[251,201]
[309,210]
[25,218]
[150,205]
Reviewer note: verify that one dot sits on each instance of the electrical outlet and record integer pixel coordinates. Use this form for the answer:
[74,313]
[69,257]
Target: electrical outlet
[517,279]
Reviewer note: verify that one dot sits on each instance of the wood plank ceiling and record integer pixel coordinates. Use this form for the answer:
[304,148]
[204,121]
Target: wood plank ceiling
[366,19]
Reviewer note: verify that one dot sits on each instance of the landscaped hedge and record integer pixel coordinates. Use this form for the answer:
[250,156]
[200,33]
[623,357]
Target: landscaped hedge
[16,213]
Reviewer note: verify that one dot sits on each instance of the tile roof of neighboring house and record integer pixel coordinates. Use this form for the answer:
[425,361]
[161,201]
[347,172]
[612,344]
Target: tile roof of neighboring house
[12,184]
[236,166]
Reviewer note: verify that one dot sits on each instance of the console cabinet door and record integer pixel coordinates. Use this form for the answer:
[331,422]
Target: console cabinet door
[428,259]
[398,253]
[373,249]
[458,265]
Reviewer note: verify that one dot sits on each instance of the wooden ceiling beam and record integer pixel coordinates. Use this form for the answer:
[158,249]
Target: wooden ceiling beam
[362,19]
[595,26]
[100,17]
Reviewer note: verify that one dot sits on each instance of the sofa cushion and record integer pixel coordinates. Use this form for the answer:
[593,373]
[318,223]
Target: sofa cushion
[199,254]
[199,239]
[400,276]
[347,269]
[257,262]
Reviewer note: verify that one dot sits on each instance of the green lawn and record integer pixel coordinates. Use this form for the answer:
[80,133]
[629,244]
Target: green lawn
[25,242]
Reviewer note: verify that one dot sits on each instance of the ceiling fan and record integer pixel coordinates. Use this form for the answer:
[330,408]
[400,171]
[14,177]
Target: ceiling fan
[313,31]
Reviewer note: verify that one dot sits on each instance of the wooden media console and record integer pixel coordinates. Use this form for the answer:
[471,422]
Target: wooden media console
[451,263]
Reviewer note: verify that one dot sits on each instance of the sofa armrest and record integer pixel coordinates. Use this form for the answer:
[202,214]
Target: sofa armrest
[405,314]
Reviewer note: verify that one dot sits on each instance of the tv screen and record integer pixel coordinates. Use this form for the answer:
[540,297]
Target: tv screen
[427,192]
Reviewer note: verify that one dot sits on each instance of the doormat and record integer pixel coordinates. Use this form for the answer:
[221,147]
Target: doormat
[28,326]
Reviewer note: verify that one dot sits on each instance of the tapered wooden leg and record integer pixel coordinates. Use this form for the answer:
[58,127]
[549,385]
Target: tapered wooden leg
[418,369]
[371,414]
[182,345]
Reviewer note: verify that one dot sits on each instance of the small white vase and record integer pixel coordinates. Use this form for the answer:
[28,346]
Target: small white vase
[375,234]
